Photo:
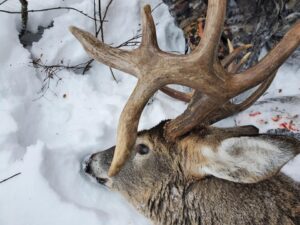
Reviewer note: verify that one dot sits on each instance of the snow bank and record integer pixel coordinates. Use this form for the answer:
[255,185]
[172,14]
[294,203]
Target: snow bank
[46,138]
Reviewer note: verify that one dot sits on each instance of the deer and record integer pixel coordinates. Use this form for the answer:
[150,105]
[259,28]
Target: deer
[185,170]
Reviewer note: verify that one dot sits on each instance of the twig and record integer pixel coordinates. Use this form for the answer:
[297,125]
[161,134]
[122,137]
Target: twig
[49,9]
[95,21]
[101,31]
[131,42]
[52,71]
[155,7]
[113,74]
[88,66]
[3,2]
[102,19]
[37,63]
[6,179]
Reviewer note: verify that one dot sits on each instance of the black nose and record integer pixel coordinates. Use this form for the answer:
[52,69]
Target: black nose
[86,165]
[87,168]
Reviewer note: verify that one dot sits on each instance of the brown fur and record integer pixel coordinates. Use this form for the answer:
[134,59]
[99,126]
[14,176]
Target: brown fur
[213,201]
[162,186]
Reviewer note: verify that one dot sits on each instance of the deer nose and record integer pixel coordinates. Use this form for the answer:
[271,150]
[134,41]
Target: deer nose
[88,169]
[86,164]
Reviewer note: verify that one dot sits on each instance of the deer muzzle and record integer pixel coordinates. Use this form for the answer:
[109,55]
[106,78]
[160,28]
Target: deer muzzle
[97,166]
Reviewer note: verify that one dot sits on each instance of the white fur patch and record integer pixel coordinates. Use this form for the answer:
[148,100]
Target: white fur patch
[245,159]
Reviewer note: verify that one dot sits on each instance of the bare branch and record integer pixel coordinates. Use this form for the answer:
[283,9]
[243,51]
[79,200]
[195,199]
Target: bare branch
[131,41]
[49,9]
[106,11]
[157,6]
[1,3]
[6,179]
[102,20]
[51,72]
[95,21]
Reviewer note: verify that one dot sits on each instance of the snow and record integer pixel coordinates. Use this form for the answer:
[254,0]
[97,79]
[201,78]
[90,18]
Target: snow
[46,137]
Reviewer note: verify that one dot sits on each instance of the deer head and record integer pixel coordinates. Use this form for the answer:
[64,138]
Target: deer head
[213,83]
[187,146]
[236,154]
[170,182]
[187,149]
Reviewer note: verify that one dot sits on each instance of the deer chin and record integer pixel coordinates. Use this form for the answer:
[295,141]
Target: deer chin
[93,170]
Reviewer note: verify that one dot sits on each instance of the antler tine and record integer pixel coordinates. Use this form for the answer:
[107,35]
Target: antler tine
[230,109]
[216,12]
[205,53]
[234,54]
[182,96]
[128,124]
[234,67]
[148,29]
[117,58]
[256,94]
[269,64]
[202,109]
[144,90]
[199,109]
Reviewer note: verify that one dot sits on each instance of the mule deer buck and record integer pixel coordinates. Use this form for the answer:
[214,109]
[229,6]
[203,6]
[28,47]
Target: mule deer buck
[184,171]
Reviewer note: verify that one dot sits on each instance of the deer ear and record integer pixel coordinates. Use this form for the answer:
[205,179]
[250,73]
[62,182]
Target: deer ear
[250,159]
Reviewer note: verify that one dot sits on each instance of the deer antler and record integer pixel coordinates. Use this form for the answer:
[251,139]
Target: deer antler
[200,70]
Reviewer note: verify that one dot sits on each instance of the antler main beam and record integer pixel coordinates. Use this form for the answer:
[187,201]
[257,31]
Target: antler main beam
[270,63]
[200,70]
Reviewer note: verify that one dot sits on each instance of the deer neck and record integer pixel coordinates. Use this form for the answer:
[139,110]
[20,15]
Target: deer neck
[166,204]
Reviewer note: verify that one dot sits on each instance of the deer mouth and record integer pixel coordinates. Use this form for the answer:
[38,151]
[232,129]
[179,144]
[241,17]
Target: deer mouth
[102,181]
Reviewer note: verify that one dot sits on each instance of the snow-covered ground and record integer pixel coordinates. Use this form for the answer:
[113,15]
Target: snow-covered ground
[46,137]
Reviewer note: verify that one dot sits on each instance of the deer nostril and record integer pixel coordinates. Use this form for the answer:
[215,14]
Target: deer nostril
[86,165]
[87,168]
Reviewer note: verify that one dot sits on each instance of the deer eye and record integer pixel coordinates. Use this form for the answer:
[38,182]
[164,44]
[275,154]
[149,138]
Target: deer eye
[142,149]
